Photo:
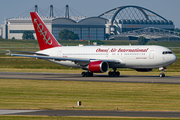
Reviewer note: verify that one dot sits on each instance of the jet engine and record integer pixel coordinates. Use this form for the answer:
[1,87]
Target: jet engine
[98,66]
[144,69]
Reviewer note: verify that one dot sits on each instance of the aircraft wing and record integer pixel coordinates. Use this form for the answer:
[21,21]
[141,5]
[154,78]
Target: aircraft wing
[27,52]
[67,58]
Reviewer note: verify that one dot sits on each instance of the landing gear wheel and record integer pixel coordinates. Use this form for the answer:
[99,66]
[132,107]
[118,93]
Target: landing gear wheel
[114,74]
[161,75]
[117,73]
[110,73]
[83,74]
[162,71]
[87,74]
[91,74]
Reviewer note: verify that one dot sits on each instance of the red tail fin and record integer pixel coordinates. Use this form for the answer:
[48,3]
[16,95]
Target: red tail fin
[44,36]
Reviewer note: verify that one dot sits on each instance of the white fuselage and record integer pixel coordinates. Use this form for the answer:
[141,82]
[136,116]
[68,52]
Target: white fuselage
[129,56]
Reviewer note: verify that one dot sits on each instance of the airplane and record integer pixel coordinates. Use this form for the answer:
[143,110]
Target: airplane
[98,59]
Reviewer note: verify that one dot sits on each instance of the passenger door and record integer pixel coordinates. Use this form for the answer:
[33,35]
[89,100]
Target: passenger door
[59,54]
[151,54]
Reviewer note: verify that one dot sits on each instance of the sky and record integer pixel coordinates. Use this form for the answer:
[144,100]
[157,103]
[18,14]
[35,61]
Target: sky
[169,9]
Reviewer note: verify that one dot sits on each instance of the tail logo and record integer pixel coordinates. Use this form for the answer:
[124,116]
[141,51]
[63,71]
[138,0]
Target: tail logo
[40,29]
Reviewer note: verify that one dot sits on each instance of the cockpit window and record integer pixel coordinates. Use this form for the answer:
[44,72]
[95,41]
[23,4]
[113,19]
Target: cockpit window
[167,52]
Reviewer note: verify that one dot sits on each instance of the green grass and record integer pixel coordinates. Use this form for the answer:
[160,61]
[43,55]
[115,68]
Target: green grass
[28,63]
[4,43]
[38,94]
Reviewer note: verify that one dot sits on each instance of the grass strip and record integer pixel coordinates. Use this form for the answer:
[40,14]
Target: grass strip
[42,94]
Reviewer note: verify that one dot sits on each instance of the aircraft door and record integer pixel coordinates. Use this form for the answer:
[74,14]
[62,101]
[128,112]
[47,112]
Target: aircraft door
[151,54]
[59,54]
[107,55]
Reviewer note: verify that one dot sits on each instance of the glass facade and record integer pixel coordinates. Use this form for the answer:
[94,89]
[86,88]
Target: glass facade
[85,33]
[100,33]
[77,31]
[57,30]
[20,31]
[93,33]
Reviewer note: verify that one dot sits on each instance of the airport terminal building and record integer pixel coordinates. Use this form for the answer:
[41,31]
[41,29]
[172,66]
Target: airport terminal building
[87,28]
[114,22]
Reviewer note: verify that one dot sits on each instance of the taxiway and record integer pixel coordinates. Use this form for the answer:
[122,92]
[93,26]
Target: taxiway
[113,113]
[96,78]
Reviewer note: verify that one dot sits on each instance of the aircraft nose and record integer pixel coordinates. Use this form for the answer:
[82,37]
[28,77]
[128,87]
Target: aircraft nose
[170,59]
[175,57]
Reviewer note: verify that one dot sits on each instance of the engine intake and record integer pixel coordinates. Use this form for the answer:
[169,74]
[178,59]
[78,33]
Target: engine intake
[98,66]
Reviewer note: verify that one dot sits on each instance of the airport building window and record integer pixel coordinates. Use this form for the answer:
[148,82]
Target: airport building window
[77,31]
[57,30]
[93,33]
[100,34]
[85,33]
[20,31]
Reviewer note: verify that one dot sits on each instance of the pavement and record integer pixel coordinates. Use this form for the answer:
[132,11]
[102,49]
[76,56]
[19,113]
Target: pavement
[96,78]
[113,113]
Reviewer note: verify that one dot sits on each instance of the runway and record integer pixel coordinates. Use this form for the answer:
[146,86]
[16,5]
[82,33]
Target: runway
[112,113]
[96,78]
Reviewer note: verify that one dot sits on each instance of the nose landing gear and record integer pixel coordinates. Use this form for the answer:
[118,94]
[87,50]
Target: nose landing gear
[162,71]
[162,75]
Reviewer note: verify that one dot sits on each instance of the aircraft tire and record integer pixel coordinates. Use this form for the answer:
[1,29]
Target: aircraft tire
[83,74]
[110,74]
[113,74]
[117,74]
[161,75]
[91,74]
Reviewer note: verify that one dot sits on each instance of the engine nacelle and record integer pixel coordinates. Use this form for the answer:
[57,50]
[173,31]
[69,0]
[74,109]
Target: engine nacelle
[98,66]
[144,69]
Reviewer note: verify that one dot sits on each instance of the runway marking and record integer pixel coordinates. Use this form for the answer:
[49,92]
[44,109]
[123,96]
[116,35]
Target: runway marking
[5,112]
[151,114]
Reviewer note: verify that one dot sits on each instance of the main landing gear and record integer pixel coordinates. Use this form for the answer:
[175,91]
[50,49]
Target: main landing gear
[162,71]
[114,73]
[87,74]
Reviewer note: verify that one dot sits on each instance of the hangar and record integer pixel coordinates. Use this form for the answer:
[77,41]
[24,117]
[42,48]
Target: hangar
[111,24]
[130,22]
[88,28]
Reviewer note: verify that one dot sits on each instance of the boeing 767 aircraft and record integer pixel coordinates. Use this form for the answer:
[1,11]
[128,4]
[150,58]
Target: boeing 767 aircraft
[98,59]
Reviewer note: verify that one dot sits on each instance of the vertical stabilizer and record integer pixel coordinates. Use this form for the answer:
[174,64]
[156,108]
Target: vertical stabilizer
[44,36]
